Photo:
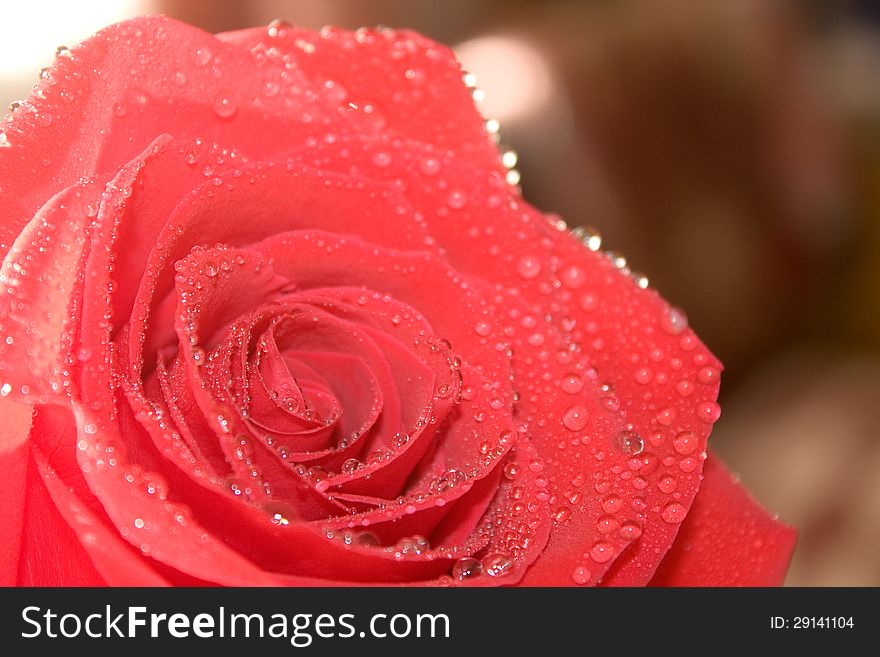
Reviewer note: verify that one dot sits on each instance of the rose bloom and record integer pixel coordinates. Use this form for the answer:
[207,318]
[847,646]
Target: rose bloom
[272,314]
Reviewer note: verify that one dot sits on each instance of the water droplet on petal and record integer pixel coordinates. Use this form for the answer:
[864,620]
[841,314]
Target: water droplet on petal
[685,443]
[666,416]
[667,484]
[449,479]
[674,321]
[203,55]
[572,384]
[709,412]
[602,552]
[224,107]
[466,568]
[684,388]
[708,375]
[497,565]
[528,267]
[630,531]
[381,159]
[412,545]
[456,200]
[278,28]
[430,166]
[482,327]
[575,417]
[581,576]
[629,442]
[612,504]
[351,465]
[674,513]
[573,277]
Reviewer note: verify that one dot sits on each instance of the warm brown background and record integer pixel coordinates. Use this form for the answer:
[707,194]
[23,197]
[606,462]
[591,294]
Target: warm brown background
[731,149]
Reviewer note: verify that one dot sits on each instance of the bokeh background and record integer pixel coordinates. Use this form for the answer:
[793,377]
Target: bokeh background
[730,148]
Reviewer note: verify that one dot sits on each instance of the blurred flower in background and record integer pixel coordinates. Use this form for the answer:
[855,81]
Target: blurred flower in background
[730,148]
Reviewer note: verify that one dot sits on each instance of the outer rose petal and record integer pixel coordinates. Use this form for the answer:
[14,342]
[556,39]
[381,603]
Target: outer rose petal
[37,547]
[726,540]
[14,454]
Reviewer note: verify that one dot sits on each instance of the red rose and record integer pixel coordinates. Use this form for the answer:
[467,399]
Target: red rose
[278,318]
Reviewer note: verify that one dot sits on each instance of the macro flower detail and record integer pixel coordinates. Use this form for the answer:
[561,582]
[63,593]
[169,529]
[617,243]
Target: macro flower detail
[274,313]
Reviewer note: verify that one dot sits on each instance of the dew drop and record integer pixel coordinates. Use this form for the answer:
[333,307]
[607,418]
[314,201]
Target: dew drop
[224,107]
[685,443]
[573,277]
[709,412]
[674,513]
[629,442]
[381,159]
[198,356]
[528,267]
[203,56]
[456,200]
[430,166]
[684,388]
[667,484]
[581,576]
[644,375]
[666,416]
[351,465]
[630,531]
[497,565]
[612,504]
[562,514]
[674,321]
[588,302]
[575,417]
[482,327]
[449,479]
[708,375]
[413,545]
[511,471]
[466,568]
[688,464]
[572,384]
[601,552]
[278,28]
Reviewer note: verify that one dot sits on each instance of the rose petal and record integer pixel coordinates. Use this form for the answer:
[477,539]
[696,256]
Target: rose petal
[392,82]
[41,273]
[726,540]
[51,554]
[14,456]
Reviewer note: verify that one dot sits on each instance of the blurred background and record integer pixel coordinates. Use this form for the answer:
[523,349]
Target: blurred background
[730,148]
